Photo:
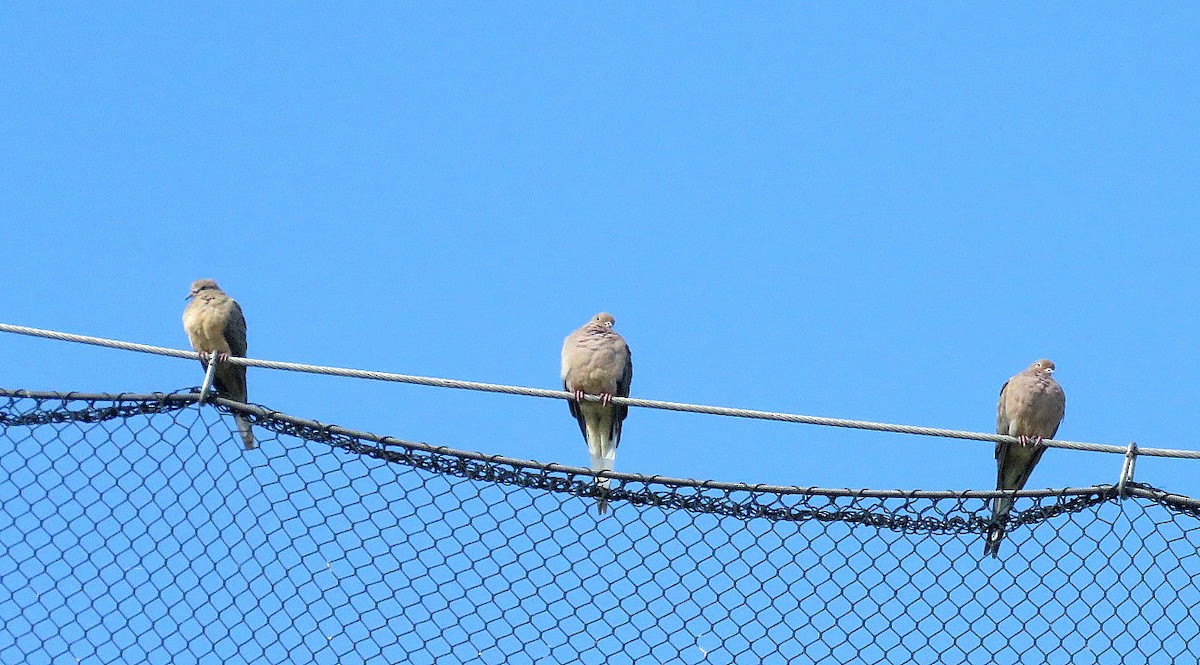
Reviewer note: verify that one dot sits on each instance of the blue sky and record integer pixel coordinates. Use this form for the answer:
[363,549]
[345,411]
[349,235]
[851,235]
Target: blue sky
[875,212]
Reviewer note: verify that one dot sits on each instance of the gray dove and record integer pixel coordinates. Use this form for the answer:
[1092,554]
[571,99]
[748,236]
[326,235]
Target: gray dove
[596,361]
[214,322]
[1031,407]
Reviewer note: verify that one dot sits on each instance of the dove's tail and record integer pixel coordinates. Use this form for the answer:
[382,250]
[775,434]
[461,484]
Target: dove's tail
[602,460]
[995,532]
[243,426]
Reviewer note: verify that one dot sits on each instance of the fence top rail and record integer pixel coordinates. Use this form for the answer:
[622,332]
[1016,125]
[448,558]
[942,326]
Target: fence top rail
[629,401]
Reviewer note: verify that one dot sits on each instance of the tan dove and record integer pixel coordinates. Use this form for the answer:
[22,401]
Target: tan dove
[214,322]
[1031,407]
[596,361]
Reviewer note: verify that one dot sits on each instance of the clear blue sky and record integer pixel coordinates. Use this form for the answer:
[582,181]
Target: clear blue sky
[862,211]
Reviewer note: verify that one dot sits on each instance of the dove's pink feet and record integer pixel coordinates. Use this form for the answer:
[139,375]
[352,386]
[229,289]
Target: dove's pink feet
[1030,441]
[605,398]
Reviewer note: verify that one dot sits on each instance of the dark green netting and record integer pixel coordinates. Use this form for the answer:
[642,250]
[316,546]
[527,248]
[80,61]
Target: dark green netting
[134,528]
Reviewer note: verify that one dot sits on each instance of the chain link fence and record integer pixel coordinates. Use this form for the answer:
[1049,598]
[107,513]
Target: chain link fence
[133,528]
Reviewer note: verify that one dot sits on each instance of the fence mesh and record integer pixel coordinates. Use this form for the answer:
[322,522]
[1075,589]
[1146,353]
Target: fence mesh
[136,529]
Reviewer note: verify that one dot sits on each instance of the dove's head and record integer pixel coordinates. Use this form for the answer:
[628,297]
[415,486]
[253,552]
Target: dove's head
[1042,366]
[604,319]
[201,285]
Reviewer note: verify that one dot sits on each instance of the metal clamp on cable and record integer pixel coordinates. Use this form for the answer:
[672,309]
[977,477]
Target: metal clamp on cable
[208,377]
[1127,468]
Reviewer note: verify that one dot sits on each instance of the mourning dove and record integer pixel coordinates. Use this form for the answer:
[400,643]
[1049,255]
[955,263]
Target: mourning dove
[1031,407]
[214,323]
[596,361]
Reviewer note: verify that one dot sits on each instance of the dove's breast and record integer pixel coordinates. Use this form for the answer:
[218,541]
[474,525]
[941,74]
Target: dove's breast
[595,364]
[205,327]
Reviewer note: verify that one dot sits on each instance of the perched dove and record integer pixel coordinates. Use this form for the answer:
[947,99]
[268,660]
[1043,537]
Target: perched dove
[596,361]
[1031,407]
[214,322]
